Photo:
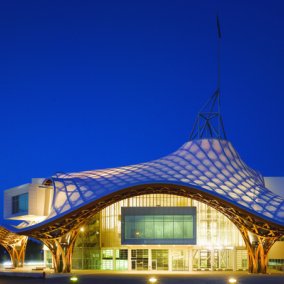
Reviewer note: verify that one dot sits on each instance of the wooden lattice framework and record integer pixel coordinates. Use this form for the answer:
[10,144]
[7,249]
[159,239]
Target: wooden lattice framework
[61,250]
[15,245]
[60,235]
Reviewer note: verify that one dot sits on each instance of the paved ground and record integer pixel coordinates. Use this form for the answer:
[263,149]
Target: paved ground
[202,278]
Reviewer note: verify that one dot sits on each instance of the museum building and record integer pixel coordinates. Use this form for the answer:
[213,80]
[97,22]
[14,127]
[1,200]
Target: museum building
[199,208]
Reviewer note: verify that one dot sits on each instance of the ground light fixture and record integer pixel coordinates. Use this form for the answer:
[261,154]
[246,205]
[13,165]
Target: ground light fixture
[152,280]
[73,279]
[232,280]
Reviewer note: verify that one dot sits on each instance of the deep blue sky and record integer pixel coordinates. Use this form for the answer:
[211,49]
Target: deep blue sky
[94,84]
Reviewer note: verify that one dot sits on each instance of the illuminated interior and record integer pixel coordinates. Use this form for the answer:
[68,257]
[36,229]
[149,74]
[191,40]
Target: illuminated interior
[219,244]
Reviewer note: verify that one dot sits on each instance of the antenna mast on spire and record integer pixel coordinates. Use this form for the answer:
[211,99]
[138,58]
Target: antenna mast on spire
[209,122]
[219,53]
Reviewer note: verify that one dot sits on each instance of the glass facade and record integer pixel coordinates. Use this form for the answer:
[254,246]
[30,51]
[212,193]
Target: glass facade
[219,244]
[277,264]
[160,259]
[180,260]
[20,203]
[86,254]
[158,225]
[139,259]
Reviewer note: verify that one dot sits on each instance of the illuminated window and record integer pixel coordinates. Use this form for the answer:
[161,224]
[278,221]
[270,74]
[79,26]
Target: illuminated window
[20,203]
[158,225]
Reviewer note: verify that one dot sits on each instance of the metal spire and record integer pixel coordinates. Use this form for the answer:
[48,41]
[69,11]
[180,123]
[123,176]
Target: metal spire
[218,53]
[209,122]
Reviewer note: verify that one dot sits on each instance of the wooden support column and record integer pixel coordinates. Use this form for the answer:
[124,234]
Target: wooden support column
[17,252]
[258,248]
[62,250]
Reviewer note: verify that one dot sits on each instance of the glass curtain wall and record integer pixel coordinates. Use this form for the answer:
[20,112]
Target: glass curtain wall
[213,228]
[218,243]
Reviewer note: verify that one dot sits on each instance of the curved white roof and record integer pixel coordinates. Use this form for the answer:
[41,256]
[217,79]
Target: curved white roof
[210,165]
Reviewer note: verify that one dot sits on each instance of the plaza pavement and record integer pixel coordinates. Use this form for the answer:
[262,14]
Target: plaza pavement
[29,276]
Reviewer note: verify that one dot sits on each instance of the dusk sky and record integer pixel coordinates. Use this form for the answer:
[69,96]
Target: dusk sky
[95,84]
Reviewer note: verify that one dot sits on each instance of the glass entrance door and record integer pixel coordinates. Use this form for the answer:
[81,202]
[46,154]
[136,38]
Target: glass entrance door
[179,260]
[133,264]
[201,259]
[139,259]
[205,259]
[223,259]
[161,256]
[242,260]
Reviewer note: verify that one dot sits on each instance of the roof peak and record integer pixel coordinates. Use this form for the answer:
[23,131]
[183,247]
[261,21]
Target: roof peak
[209,122]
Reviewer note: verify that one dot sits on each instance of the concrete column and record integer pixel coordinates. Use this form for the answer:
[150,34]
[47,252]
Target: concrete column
[212,260]
[129,259]
[113,259]
[170,260]
[234,259]
[190,259]
[149,259]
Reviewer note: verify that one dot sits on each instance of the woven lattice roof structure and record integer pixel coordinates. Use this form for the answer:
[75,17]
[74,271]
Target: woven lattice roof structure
[212,166]
[207,169]
[209,166]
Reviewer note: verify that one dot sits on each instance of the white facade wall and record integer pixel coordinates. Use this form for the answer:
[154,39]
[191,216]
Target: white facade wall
[39,203]
[8,195]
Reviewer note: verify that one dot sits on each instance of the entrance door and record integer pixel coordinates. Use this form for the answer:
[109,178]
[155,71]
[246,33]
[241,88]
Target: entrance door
[205,259]
[179,260]
[242,260]
[161,256]
[154,264]
[139,259]
[133,265]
